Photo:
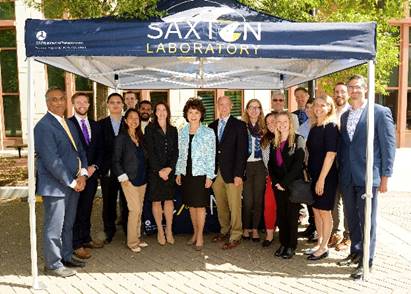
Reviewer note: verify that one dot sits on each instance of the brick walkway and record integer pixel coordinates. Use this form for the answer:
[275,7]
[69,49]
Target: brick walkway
[179,269]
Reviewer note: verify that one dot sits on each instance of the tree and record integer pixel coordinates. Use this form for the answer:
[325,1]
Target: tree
[379,11]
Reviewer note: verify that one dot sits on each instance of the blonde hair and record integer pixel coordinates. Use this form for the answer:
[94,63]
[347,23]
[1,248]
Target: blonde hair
[331,115]
[260,119]
[291,132]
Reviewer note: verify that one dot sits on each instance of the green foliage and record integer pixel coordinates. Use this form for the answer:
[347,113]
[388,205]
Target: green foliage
[380,11]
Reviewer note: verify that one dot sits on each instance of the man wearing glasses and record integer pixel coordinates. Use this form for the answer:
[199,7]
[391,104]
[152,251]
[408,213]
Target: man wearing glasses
[278,104]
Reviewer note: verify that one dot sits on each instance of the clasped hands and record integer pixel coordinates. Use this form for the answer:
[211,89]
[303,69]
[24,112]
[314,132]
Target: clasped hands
[80,183]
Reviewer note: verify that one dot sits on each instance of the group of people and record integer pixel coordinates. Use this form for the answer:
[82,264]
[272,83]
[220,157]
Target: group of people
[250,165]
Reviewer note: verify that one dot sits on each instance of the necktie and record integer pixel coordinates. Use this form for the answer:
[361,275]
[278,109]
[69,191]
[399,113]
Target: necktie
[66,128]
[221,129]
[85,131]
[302,117]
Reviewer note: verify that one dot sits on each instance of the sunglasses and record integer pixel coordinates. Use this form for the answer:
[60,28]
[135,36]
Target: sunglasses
[278,100]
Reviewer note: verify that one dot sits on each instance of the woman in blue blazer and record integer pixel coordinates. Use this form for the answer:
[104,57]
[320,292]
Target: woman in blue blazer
[195,166]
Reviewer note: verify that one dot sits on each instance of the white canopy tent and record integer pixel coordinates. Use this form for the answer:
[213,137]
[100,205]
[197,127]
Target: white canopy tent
[201,44]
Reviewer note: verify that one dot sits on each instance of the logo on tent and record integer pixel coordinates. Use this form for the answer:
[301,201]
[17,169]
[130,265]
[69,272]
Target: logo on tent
[41,35]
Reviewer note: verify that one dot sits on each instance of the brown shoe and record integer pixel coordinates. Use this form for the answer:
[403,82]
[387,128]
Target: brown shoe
[334,240]
[230,245]
[94,244]
[219,238]
[82,253]
[343,245]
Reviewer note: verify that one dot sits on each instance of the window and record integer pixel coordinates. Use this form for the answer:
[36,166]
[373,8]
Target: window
[237,99]
[208,98]
[390,101]
[9,90]
[7,10]
[56,77]
[157,96]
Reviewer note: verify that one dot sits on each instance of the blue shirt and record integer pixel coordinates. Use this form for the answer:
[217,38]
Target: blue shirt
[116,125]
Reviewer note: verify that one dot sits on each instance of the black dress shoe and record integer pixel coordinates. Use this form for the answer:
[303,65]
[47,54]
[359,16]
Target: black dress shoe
[288,253]
[73,263]
[256,239]
[352,258]
[267,243]
[358,273]
[313,257]
[280,251]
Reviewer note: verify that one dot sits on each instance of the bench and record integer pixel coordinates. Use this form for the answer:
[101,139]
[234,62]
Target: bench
[17,147]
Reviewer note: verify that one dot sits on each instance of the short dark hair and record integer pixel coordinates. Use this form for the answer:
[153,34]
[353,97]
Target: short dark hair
[115,94]
[144,102]
[194,103]
[310,101]
[79,94]
[51,89]
[301,89]
[358,77]
[155,119]
[139,132]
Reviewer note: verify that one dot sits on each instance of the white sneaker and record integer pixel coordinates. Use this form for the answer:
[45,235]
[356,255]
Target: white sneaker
[142,244]
[136,249]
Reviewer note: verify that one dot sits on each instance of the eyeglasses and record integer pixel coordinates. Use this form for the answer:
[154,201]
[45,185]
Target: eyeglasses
[278,100]
[355,87]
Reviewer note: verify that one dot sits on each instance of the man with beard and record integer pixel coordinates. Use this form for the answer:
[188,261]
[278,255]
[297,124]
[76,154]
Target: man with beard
[145,110]
[90,137]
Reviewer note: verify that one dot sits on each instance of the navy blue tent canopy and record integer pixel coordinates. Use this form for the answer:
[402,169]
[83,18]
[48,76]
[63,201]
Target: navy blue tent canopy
[200,44]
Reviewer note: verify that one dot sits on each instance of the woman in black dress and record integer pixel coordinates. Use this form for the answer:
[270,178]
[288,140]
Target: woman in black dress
[322,143]
[161,140]
[195,166]
[285,166]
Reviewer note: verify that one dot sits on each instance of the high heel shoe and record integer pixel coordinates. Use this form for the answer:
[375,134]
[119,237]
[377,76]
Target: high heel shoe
[267,243]
[312,257]
[161,238]
[170,238]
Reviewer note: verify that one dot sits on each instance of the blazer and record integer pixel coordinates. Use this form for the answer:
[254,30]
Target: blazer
[107,142]
[292,168]
[203,151]
[352,155]
[57,160]
[157,143]
[125,160]
[94,150]
[232,151]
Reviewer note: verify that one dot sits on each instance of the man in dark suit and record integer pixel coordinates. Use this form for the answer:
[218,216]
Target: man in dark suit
[90,137]
[61,175]
[352,160]
[301,97]
[110,186]
[231,159]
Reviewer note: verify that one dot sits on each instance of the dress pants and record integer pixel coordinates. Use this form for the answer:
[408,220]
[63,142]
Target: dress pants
[355,205]
[287,219]
[135,199]
[340,222]
[59,216]
[110,188]
[253,194]
[82,225]
[228,200]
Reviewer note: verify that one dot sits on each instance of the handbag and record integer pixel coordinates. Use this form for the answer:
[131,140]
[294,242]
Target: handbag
[300,190]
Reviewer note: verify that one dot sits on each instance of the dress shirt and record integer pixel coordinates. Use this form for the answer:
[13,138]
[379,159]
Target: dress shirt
[116,125]
[353,119]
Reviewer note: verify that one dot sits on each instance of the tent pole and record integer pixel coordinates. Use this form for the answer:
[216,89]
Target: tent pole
[31,182]
[369,173]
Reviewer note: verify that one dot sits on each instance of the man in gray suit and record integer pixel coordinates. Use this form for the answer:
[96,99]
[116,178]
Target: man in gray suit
[61,175]
[352,160]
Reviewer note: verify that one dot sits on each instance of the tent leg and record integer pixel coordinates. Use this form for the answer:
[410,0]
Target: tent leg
[369,173]
[31,183]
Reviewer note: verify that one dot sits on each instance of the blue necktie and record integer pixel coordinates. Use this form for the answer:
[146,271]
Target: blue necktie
[221,129]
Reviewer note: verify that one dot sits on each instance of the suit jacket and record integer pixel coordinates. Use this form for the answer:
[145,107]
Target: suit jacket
[352,154]
[125,160]
[232,151]
[157,143]
[293,160]
[108,136]
[57,160]
[94,150]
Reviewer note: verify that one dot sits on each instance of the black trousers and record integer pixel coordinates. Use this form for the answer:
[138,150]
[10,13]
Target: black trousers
[82,224]
[287,219]
[111,188]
